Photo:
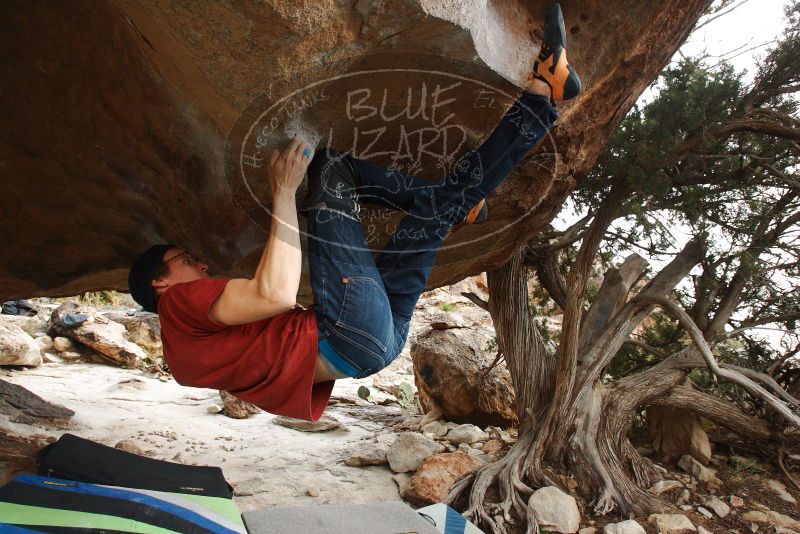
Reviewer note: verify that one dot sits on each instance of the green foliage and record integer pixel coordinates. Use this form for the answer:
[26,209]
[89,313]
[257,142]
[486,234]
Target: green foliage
[97,299]
[448,307]
[405,395]
[363,392]
[746,467]
[714,157]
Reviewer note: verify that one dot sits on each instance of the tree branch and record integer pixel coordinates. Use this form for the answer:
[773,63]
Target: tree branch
[705,351]
[718,410]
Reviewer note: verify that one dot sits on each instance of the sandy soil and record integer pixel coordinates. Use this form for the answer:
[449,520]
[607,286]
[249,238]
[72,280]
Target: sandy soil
[268,464]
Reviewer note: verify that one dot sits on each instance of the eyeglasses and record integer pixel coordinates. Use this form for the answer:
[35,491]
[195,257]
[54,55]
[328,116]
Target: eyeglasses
[187,260]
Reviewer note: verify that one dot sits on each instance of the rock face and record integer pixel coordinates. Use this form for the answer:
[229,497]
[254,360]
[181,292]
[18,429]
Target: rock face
[114,117]
[434,479]
[17,347]
[106,337]
[555,510]
[677,432]
[450,369]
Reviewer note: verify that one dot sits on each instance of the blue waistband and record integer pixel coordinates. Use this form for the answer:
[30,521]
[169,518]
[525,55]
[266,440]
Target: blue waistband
[335,360]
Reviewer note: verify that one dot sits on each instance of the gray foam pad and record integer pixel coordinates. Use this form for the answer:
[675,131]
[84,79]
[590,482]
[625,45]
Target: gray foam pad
[375,518]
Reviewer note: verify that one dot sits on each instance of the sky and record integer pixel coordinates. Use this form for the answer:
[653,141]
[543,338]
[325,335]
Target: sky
[737,38]
[752,24]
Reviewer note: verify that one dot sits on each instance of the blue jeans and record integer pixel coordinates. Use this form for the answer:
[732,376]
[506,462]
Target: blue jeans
[363,304]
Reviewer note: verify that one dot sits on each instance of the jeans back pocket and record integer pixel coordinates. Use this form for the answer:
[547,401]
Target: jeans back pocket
[366,312]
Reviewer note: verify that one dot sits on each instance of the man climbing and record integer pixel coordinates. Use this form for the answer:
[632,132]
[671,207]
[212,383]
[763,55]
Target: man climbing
[248,337]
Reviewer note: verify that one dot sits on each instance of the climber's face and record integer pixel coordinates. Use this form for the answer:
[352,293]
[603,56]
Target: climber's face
[181,267]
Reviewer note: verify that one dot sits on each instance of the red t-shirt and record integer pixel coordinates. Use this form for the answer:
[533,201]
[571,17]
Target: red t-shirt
[270,362]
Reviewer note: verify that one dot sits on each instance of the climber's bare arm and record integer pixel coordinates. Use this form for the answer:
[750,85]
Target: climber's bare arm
[273,288]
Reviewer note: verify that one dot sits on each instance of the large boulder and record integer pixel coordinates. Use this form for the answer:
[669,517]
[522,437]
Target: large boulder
[675,432]
[451,368]
[106,337]
[115,117]
[17,347]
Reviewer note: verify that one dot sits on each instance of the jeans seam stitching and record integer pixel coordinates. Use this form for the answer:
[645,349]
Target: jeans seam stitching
[370,352]
[340,321]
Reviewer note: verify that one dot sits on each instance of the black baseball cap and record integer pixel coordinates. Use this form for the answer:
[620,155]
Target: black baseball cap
[142,274]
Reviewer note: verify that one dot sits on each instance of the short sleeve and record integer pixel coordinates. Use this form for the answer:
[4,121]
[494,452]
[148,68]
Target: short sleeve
[186,305]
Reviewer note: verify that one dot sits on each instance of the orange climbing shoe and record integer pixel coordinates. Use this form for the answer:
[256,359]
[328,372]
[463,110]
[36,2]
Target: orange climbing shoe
[551,67]
[478,214]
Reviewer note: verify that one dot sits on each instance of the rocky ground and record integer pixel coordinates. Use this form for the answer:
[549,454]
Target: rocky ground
[373,444]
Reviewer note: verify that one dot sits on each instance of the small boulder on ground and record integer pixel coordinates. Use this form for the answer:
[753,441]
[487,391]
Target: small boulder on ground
[556,511]
[780,490]
[45,343]
[698,470]
[466,434]
[718,506]
[625,527]
[434,479]
[436,428]
[323,424]
[17,347]
[409,450]
[775,519]
[667,523]
[128,445]
[236,408]
[368,454]
[61,344]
